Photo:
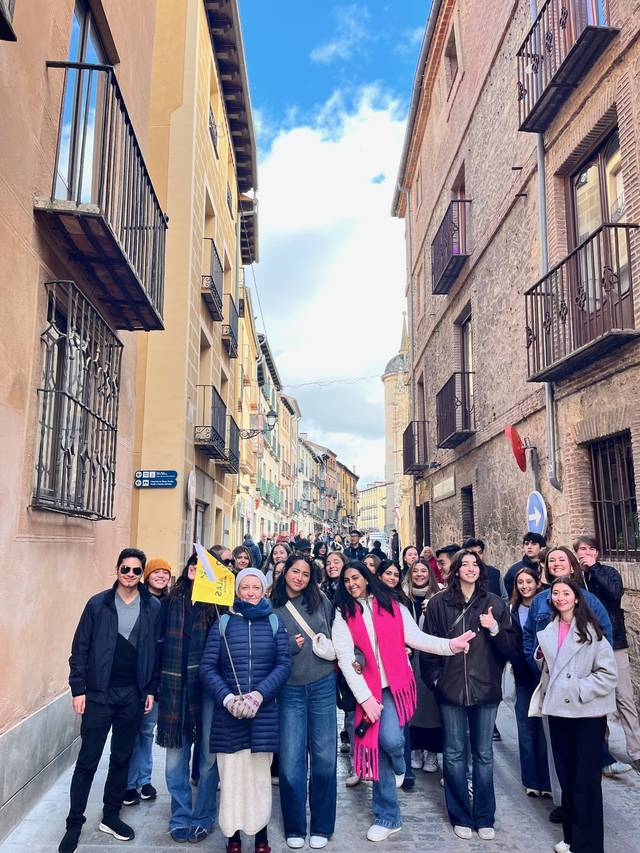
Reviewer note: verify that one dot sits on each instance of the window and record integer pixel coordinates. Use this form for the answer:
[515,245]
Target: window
[423,526]
[468,517]
[597,191]
[75,471]
[451,59]
[614,497]
[466,362]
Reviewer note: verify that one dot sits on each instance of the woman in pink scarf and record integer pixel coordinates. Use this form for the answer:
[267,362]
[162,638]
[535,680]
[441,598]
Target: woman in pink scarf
[370,620]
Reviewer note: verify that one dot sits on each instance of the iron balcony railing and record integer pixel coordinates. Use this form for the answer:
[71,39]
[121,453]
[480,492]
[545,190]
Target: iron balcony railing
[449,249]
[231,460]
[565,40]
[213,283]
[213,130]
[211,417]
[414,447]
[583,307]
[230,328]
[455,410]
[103,198]
[230,200]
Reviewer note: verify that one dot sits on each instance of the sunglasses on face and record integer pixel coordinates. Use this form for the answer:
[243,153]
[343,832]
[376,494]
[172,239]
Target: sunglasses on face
[229,562]
[124,570]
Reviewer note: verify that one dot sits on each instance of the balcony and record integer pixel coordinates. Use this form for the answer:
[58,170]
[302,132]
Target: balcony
[583,308]
[211,418]
[455,410]
[212,284]
[230,328]
[564,42]
[103,207]
[6,20]
[414,447]
[230,462]
[449,249]
[213,131]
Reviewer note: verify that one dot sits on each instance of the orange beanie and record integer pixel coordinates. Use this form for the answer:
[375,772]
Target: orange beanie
[156,564]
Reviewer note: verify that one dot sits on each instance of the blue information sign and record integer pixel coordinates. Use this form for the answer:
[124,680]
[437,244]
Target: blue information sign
[536,513]
[156,479]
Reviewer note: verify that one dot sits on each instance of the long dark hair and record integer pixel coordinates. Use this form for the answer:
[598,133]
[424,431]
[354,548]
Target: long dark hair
[346,603]
[311,595]
[269,561]
[404,566]
[316,550]
[577,575]
[397,591]
[516,596]
[453,583]
[183,585]
[581,612]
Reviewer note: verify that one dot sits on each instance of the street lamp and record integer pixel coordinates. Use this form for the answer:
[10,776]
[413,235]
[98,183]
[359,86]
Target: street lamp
[271,418]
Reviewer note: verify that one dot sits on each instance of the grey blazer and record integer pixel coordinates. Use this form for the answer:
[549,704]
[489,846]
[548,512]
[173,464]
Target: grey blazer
[579,680]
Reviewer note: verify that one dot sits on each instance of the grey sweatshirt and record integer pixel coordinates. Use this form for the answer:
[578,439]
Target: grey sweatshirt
[307,667]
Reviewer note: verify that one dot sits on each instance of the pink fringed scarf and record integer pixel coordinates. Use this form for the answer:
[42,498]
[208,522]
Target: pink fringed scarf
[389,631]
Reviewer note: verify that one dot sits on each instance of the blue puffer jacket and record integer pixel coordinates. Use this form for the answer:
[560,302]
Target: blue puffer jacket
[540,616]
[262,662]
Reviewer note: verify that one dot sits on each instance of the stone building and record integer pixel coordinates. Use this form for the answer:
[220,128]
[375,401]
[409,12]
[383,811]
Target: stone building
[347,500]
[189,379]
[372,500]
[519,188]
[399,510]
[82,231]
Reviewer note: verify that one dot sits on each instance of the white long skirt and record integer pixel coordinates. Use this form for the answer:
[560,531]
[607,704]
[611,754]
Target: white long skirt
[245,791]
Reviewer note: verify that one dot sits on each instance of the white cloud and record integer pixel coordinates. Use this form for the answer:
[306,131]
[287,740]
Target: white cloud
[409,41]
[332,267]
[351,32]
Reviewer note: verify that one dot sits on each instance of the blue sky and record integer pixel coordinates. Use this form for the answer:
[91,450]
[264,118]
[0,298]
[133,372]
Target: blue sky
[330,87]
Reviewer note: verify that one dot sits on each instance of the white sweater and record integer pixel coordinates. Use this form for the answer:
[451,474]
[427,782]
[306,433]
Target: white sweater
[343,644]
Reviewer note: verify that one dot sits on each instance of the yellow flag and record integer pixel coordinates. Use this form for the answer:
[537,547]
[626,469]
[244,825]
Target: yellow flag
[214,583]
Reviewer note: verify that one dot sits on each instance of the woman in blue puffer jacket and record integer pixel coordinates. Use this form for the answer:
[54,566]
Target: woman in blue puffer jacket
[245,664]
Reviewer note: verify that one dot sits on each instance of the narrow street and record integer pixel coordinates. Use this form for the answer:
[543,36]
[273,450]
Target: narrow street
[521,825]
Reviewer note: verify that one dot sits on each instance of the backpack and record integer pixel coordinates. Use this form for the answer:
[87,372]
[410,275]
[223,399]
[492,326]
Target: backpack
[224,621]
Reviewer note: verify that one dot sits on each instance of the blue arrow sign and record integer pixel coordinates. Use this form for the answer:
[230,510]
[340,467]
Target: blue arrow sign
[154,479]
[536,513]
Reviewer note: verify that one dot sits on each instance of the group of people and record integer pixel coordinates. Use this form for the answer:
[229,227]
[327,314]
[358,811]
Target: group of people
[418,652]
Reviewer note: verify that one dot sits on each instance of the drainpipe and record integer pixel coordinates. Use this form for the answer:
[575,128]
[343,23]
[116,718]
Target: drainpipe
[549,402]
[407,197]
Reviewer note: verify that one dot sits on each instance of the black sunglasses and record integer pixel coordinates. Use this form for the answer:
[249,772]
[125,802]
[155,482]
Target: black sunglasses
[124,570]
[230,562]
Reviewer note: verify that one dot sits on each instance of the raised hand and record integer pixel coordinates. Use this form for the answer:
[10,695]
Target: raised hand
[488,620]
[461,643]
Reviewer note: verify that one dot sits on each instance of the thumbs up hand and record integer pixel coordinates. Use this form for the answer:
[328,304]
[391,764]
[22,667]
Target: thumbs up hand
[487,620]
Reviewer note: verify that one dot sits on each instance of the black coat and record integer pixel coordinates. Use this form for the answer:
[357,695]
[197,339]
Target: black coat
[358,553]
[379,553]
[474,678]
[94,644]
[606,584]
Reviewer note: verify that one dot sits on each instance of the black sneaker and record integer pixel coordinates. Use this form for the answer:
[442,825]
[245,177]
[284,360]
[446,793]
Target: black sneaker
[148,792]
[69,843]
[496,734]
[556,815]
[131,797]
[118,828]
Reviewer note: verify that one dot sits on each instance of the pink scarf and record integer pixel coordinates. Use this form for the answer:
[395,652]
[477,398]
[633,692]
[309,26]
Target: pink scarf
[389,631]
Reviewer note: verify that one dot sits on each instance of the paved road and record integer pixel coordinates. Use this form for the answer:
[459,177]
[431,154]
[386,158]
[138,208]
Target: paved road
[522,825]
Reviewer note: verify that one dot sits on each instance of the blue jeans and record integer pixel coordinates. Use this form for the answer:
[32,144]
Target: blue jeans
[308,736]
[141,763]
[409,775]
[534,766]
[184,814]
[479,720]
[386,811]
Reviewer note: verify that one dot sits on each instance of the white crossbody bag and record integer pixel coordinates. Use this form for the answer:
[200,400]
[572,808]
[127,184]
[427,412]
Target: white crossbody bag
[320,643]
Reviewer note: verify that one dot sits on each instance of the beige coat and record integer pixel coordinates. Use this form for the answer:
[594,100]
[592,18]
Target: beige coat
[579,679]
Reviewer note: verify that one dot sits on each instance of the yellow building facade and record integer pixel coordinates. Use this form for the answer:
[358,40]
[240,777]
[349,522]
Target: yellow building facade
[372,502]
[203,150]
[347,502]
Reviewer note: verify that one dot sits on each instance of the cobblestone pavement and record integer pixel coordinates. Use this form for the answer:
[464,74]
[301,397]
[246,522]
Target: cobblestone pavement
[521,826]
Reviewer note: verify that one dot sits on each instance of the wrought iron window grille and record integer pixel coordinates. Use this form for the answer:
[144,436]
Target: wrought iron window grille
[79,398]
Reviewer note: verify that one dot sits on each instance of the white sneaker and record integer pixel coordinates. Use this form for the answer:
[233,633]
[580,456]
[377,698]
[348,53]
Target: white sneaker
[430,762]
[616,769]
[486,833]
[317,842]
[463,832]
[380,833]
[562,847]
[352,780]
[399,781]
[295,843]
[416,759]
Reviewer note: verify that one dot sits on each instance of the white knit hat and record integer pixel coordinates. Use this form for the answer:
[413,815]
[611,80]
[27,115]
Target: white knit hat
[251,572]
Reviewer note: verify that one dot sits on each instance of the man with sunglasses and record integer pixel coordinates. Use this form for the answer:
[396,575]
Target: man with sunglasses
[113,678]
